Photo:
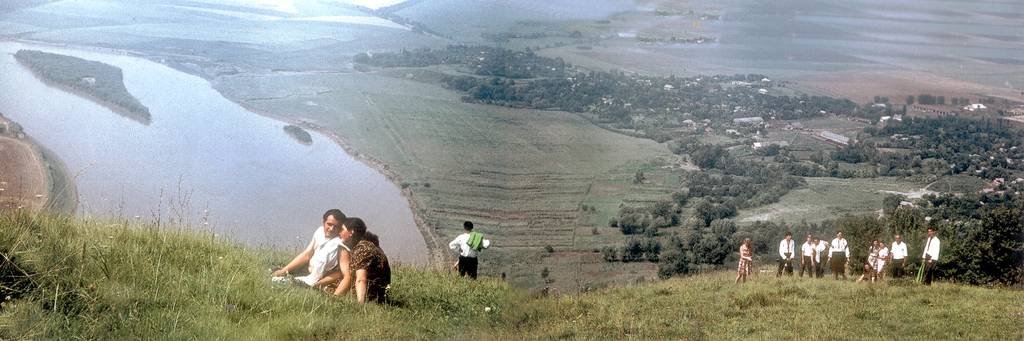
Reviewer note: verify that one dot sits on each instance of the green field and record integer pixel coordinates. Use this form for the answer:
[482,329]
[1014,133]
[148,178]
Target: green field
[826,198]
[521,175]
[69,279]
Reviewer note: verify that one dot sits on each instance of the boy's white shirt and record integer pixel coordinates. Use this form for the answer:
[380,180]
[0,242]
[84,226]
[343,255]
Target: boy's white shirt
[461,243]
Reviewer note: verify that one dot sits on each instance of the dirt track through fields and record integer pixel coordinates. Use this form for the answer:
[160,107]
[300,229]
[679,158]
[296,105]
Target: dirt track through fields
[22,175]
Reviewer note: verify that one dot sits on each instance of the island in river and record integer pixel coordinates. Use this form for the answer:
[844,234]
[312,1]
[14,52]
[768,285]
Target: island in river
[96,81]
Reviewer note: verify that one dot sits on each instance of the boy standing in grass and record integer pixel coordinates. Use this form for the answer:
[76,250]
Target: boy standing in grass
[807,257]
[469,245]
[786,252]
[820,248]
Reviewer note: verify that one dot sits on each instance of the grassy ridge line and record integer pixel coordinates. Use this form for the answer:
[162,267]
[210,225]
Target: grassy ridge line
[93,279]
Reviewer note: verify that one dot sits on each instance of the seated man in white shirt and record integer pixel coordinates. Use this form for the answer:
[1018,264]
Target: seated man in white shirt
[320,258]
[468,244]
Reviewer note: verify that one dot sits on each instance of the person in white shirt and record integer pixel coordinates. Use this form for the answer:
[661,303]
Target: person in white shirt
[869,265]
[468,263]
[883,256]
[930,255]
[807,257]
[786,253]
[820,247]
[899,256]
[839,256]
[320,257]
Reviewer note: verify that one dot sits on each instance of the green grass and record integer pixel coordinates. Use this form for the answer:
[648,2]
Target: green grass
[99,280]
[828,198]
[521,175]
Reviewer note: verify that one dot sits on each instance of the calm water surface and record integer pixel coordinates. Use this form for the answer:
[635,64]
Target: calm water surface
[203,159]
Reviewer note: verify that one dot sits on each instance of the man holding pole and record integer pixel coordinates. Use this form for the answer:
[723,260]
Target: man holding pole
[786,254]
[929,257]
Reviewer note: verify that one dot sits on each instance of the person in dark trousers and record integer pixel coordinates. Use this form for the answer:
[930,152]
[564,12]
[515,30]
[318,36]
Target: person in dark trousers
[807,257]
[469,245]
[930,256]
[786,253]
[898,251]
[839,255]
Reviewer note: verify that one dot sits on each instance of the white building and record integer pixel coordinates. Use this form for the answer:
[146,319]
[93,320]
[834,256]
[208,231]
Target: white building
[748,120]
[975,106]
[833,137]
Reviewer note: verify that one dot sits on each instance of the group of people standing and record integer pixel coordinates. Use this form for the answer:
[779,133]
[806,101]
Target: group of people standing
[815,253]
[341,256]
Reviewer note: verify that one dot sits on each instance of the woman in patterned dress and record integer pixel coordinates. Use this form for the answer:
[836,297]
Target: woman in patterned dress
[373,273]
[746,265]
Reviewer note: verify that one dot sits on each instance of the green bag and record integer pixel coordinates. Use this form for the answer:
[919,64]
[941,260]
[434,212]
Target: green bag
[476,241]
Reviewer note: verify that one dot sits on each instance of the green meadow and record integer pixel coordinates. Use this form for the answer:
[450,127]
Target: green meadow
[79,279]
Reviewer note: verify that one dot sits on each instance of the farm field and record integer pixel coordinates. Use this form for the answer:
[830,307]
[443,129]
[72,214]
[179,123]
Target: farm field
[22,177]
[826,198]
[522,176]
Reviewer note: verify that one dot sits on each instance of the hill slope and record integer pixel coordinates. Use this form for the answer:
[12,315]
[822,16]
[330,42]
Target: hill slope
[115,280]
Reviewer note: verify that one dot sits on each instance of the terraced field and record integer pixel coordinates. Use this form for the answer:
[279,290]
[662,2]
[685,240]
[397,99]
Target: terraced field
[521,175]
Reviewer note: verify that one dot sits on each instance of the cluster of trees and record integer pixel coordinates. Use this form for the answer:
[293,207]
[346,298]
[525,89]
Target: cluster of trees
[618,97]
[740,184]
[647,219]
[950,145]
[104,83]
[614,96]
[699,246]
[480,60]
[635,250]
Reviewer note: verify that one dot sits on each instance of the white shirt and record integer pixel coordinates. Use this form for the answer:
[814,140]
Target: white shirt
[931,247]
[807,249]
[818,250]
[787,246]
[840,245]
[899,251]
[325,256]
[462,243]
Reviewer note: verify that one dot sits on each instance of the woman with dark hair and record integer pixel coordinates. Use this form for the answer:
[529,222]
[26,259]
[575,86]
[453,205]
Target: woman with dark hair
[746,265]
[372,271]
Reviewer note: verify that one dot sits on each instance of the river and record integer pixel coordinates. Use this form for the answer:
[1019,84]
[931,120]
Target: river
[204,161]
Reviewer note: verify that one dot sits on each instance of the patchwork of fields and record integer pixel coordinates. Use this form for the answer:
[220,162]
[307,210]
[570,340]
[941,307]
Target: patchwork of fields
[522,175]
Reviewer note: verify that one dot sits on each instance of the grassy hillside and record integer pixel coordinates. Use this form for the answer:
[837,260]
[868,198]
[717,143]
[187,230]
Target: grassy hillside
[521,175]
[69,278]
